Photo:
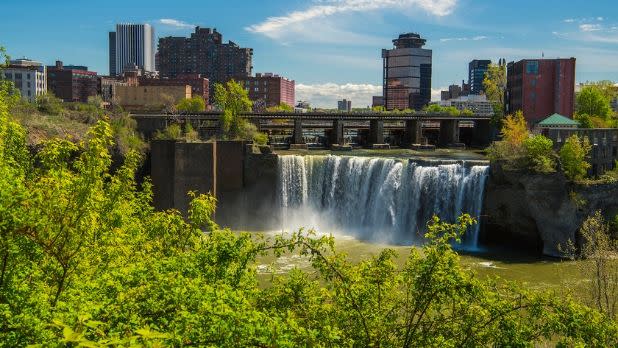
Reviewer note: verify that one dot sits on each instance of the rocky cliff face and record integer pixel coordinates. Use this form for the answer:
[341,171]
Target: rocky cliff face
[540,211]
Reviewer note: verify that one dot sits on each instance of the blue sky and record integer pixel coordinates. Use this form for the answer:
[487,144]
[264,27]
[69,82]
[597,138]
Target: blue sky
[332,47]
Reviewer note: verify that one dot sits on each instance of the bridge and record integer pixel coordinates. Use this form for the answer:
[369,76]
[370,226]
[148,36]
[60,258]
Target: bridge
[364,128]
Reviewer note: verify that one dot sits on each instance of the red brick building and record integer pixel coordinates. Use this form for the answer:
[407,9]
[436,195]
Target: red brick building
[72,83]
[541,87]
[199,85]
[267,90]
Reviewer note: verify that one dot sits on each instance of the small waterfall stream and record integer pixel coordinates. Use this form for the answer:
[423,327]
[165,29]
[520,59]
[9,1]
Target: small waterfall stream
[379,199]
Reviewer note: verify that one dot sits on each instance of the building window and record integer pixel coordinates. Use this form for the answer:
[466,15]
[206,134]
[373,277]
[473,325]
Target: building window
[532,67]
[28,86]
[18,76]
[28,76]
[9,76]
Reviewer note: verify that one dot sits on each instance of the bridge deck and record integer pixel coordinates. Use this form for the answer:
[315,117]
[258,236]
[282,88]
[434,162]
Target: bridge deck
[324,116]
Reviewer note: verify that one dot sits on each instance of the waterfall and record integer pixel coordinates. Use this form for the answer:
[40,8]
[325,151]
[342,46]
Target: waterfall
[379,199]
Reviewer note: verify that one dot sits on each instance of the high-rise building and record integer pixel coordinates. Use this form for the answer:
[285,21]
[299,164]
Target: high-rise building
[131,44]
[377,100]
[541,87]
[72,83]
[28,76]
[268,90]
[407,73]
[454,91]
[476,75]
[204,53]
[344,105]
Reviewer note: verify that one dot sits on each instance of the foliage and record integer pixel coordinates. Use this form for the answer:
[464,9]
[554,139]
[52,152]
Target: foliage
[260,138]
[281,107]
[191,134]
[233,100]
[450,110]
[591,100]
[599,250]
[49,104]
[86,261]
[540,154]
[192,105]
[573,156]
[171,132]
[379,108]
[515,129]
[584,121]
[494,84]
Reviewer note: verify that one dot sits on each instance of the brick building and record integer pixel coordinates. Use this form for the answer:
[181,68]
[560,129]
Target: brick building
[541,87]
[267,90]
[72,83]
[199,85]
[203,53]
[154,98]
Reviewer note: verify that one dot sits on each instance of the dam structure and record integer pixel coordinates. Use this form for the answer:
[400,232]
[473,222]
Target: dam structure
[378,199]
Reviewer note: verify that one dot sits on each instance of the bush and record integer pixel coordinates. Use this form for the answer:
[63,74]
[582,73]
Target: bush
[171,132]
[192,105]
[573,157]
[49,104]
[540,154]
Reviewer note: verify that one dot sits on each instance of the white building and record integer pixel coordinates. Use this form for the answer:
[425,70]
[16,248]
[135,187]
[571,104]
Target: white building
[28,76]
[132,44]
[475,103]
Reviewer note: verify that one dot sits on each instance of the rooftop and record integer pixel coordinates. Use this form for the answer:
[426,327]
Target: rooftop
[558,120]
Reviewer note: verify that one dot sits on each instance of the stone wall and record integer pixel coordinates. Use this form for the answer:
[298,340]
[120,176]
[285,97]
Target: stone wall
[538,212]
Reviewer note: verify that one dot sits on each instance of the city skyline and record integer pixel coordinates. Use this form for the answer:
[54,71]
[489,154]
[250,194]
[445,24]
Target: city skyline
[332,48]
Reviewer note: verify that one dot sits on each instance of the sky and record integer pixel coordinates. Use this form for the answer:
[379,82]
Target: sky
[332,48]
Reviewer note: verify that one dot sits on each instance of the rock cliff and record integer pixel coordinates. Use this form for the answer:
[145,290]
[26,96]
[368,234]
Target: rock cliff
[540,211]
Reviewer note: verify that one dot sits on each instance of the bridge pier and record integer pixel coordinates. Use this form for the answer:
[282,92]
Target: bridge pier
[297,137]
[482,133]
[412,133]
[449,132]
[376,132]
[336,136]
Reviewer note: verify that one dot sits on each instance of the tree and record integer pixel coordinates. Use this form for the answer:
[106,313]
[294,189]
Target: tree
[540,154]
[584,121]
[191,105]
[515,129]
[494,84]
[600,251]
[573,157]
[281,107]
[592,101]
[233,100]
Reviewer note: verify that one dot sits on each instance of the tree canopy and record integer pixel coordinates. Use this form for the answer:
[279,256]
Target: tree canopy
[191,105]
[592,101]
[573,156]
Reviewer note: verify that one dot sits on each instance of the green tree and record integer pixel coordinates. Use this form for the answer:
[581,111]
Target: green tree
[233,100]
[584,121]
[540,154]
[591,100]
[191,105]
[573,156]
[494,84]
[281,107]
[515,129]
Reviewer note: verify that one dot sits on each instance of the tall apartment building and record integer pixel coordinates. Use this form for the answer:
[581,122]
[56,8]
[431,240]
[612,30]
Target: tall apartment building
[204,53]
[344,105]
[541,87]
[28,76]
[268,89]
[454,91]
[72,83]
[476,75]
[407,73]
[131,44]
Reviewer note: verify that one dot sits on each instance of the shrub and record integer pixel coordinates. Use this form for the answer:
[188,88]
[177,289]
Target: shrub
[540,154]
[573,157]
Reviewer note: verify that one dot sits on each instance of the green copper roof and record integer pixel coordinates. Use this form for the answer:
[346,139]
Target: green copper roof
[558,120]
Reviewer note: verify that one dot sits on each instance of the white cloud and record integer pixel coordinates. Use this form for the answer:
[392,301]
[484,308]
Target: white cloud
[175,23]
[326,95]
[569,20]
[590,27]
[436,93]
[297,21]
[474,38]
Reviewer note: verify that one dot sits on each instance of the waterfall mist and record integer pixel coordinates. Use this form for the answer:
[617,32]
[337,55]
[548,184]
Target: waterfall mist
[378,199]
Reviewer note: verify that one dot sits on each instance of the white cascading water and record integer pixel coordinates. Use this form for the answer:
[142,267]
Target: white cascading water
[379,199]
